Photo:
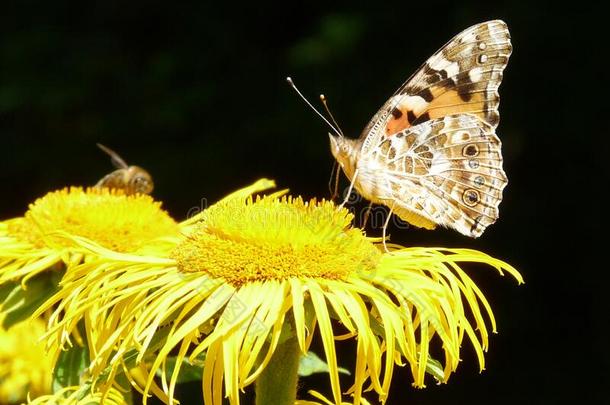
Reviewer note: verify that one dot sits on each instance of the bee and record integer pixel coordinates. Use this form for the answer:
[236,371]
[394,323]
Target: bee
[131,179]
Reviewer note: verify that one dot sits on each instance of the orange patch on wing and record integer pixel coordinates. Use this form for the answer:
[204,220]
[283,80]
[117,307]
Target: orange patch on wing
[444,102]
[450,102]
[405,113]
[398,121]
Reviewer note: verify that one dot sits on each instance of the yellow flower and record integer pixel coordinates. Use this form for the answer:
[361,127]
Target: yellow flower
[34,243]
[80,396]
[324,400]
[257,273]
[24,366]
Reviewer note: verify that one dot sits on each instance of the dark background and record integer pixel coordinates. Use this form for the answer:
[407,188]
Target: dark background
[196,94]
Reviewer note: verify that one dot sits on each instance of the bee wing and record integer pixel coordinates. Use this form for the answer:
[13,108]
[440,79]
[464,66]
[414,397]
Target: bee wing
[116,160]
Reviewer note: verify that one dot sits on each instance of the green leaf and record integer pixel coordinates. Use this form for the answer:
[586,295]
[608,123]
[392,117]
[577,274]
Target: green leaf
[311,363]
[5,290]
[188,371]
[83,390]
[376,326]
[19,304]
[130,357]
[435,369]
[126,392]
[70,367]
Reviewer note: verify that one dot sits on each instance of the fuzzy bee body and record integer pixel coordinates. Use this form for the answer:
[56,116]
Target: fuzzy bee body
[130,179]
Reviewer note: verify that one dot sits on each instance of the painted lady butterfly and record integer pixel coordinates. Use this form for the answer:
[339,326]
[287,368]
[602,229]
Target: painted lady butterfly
[431,153]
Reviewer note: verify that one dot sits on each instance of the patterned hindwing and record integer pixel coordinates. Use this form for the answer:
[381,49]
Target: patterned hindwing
[462,77]
[445,171]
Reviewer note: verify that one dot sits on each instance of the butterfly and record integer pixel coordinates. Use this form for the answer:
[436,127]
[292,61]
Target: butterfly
[431,153]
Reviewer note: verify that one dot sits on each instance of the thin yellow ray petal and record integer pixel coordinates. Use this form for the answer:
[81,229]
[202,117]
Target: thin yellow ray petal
[138,380]
[208,308]
[363,342]
[218,377]
[212,388]
[230,355]
[423,355]
[474,294]
[250,297]
[177,287]
[298,311]
[110,254]
[326,332]
[393,333]
[31,268]
[260,324]
[185,303]
[256,187]
[477,346]
[243,303]
[273,342]
[371,347]
[234,315]
[338,305]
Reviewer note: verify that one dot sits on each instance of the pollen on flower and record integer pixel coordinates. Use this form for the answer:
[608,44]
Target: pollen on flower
[109,217]
[270,238]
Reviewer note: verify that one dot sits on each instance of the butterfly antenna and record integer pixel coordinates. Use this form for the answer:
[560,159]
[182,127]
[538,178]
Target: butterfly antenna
[332,117]
[291,83]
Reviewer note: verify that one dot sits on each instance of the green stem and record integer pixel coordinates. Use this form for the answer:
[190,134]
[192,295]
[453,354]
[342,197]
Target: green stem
[277,385]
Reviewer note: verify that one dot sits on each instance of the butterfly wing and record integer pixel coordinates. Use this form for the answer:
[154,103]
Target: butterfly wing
[462,77]
[445,171]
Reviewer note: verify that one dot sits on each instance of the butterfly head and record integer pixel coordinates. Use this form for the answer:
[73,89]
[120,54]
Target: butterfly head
[345,150]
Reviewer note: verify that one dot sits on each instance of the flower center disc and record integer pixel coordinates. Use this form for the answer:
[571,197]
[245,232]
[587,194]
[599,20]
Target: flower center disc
[120,222]
[271,238]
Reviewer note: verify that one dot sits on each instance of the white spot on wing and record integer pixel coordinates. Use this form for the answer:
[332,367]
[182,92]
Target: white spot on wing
[475,75]
[438,62]
[441,63]
[414,103]
[453,69]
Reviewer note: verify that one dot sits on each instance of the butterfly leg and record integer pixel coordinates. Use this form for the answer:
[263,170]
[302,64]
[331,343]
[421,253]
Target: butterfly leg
[367,213]
[385,228]
[336,172]
[350,189]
